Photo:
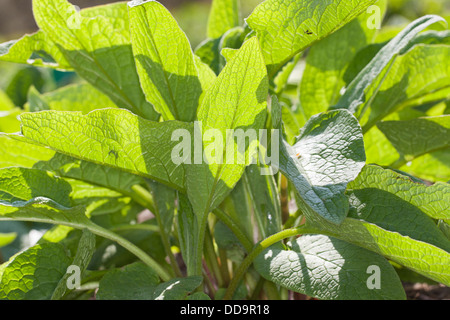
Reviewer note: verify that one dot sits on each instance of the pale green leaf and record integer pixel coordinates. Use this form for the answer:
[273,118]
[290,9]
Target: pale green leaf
[77,97]
[236,100]
[98,48]
[327,62]
[224,15]
[36,49]
[14,152]
[286,28]
[395,203]
[418,77]
[165,61]
[354,95]
[112,137]
[419,256]
[7,238]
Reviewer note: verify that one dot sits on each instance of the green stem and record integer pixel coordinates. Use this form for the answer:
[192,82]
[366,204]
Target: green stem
[102,232]
[260,247]
[224,267]
[210,252]
[138,252]
[147,198]
[284,199]
[245,241]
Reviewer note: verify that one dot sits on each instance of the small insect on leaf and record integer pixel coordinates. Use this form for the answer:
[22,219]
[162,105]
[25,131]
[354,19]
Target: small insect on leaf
[113,152]
[298,155]
[308,32]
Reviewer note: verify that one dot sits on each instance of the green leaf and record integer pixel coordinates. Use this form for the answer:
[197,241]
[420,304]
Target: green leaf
[9,122]
[177,289]
[188,230]
[209,53]
[328,155]
[395,203]
[413,138]
[7,238]
[224,15]
[418,77]
[265,200]
[165,61]
[164,199]
[236,100]
[419,256]
[433,166]
[85,250]
[354,95]
[78,97]
[134,282]
[21,184]
[327,62]
[329,269]
[35,273]
[14,152]
[433,200]
[137,281]
[112,137]
[36,49]
[97,45]
[286,28]
[6,103]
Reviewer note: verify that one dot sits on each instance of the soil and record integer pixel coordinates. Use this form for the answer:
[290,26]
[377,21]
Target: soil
[423,291]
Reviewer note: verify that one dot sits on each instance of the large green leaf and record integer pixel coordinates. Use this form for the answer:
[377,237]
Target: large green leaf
[14,152]
[417,255]
[21,184]
[327,63]
[286,28]
[236,100]
[394,203]
[413,138]
[165,61]
[328,155]
[112,137]
[97,45]
[224,15]
[78,97]
[265,199]
[36,49]
[83,255]
[418,77]
[35,273]
[355,94]
[139,282]
[329,269]
[432,200]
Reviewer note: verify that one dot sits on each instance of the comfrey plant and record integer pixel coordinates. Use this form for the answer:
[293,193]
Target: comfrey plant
[305,151]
